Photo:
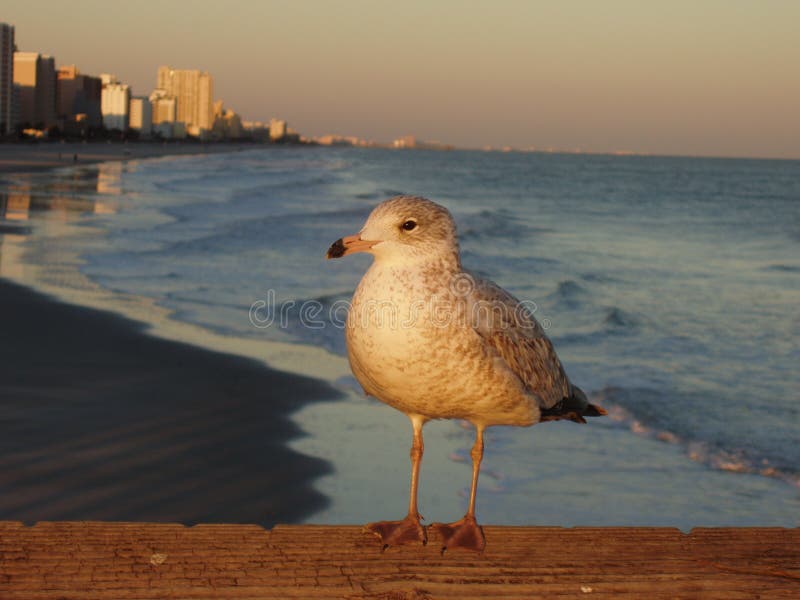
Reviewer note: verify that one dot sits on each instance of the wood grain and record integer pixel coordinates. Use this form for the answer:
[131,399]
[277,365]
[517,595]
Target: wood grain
[103,560]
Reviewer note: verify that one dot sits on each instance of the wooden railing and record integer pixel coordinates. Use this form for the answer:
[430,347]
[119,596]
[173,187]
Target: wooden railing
[85,560]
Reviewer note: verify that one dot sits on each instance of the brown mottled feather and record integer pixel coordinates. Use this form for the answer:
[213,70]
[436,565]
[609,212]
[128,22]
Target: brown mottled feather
[516,336]
[512,331]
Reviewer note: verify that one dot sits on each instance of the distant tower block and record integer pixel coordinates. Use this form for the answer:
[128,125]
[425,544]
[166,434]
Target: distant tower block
[141,116]
[164,109]
[194,92]
[35,78]
[79,98]
[7,118]
[115,103]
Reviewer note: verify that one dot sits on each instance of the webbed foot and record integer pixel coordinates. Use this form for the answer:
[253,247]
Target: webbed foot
[464,533]
[396,533]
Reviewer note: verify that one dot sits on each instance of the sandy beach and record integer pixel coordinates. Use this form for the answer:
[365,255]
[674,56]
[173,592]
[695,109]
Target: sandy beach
[102,421]
[40,156]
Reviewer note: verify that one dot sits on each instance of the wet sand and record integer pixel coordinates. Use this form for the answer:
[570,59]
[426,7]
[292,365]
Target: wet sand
[26,157]
[102,421]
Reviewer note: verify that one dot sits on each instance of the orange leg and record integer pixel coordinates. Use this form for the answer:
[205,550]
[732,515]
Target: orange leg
[466,533]
[409,529]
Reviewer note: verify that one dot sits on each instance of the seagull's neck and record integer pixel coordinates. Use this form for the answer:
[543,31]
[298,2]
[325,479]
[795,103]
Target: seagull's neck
[444,262]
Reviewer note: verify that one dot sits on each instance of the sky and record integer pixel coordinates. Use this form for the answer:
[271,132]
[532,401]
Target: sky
[697,77]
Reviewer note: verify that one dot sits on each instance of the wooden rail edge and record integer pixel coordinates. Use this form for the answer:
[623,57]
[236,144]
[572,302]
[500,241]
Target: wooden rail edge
[88,560]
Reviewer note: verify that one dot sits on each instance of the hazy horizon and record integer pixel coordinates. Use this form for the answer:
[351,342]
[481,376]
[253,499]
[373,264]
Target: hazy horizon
[710,79]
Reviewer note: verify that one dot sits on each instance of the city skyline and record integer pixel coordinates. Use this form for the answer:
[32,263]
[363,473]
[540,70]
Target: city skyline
[691,79]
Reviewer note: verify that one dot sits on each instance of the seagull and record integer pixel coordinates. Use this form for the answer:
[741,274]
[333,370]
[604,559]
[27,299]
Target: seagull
[435,341]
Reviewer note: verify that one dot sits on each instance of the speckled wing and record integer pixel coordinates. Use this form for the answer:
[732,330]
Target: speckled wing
[509,328]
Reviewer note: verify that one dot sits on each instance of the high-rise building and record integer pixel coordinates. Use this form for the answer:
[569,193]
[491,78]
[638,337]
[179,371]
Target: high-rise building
[141,116]
[114,102]
[35,78]
[194,92]
[79,95]
[7,119]
[49,90]
[164,109]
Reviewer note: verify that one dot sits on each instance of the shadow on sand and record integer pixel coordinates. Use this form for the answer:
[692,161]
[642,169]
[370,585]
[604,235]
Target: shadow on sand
[101,421]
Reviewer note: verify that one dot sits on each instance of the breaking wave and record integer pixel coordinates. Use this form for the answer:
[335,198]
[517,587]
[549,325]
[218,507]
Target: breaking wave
[734,460]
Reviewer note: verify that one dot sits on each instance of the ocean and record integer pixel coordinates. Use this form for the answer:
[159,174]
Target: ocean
[669,286]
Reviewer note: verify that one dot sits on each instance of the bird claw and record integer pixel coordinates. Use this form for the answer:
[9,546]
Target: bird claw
[397,533]
[464,533]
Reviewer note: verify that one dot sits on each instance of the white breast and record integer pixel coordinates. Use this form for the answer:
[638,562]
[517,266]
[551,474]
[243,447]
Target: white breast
[410,346]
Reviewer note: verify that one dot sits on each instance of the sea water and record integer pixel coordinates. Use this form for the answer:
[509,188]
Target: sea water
[669,286]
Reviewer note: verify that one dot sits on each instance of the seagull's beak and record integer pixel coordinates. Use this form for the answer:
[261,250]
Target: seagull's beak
[349,245]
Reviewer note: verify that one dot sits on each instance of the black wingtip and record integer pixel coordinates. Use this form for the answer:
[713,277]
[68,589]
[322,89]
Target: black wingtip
[574,408]
[594,410]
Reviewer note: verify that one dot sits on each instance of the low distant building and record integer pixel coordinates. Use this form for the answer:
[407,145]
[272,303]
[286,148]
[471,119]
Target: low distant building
[140,116]
[332,140]
[410,141]
[114,103]
[341,140]
[294,137]
[234,123]
[227,124]
[256,130]
[35,81]
[7,104]
[278,129]
[407,141]
[78,95]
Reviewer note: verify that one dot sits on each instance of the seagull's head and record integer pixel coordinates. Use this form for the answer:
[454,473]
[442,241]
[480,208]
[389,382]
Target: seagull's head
[403,228]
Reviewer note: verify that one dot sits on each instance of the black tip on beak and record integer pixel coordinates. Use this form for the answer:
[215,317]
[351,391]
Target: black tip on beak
[336,250]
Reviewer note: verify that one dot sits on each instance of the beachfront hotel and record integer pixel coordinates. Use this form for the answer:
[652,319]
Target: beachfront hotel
[163,110]
[36,95]
[6,78]
[193,91]
[114,102]
[79,94]
[140,116]
[35,80]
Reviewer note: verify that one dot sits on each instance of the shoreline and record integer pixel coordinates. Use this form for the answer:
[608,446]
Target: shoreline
[103,408]
[36,156]
[32,157]
[104,421]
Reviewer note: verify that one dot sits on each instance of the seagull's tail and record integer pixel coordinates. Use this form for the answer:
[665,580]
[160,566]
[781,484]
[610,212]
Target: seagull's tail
[574,408]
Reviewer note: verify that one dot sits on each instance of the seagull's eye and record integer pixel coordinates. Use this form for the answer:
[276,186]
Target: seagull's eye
[409,225]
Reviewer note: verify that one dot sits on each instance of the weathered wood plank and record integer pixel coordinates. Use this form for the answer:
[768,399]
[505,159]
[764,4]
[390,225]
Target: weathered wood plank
[98,560]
